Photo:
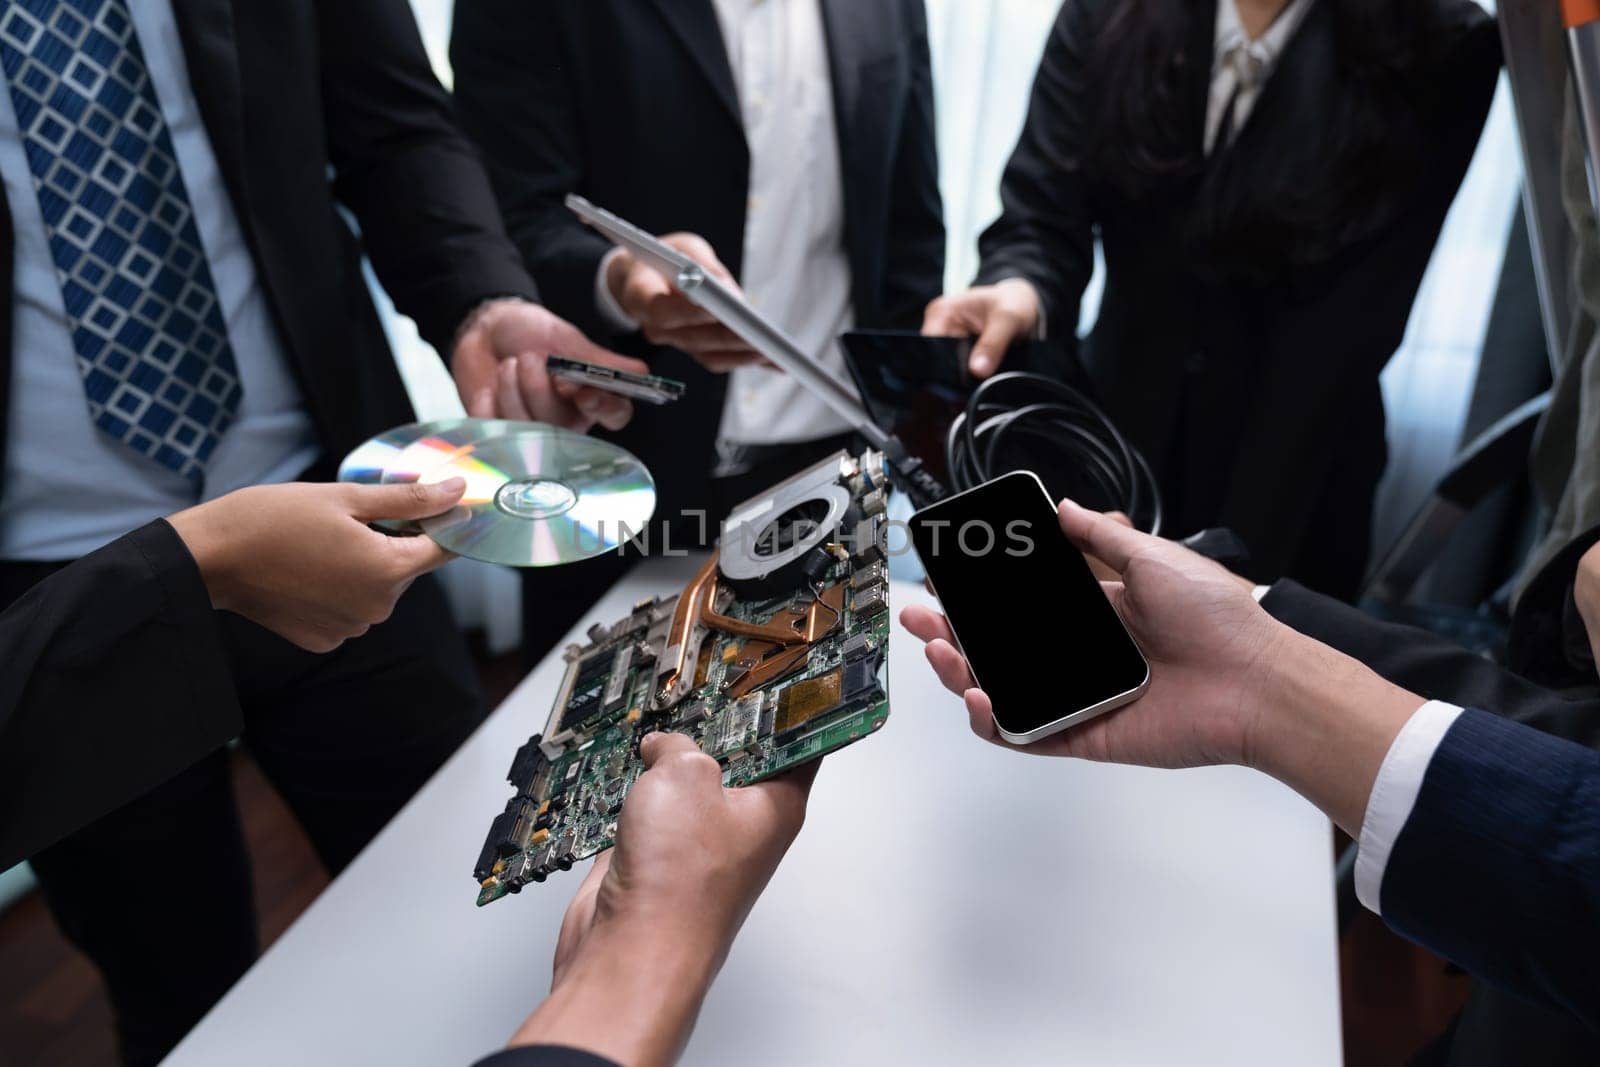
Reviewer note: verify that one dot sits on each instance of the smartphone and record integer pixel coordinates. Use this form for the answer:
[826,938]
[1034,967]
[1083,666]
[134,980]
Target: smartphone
[1027,612]
[651,388]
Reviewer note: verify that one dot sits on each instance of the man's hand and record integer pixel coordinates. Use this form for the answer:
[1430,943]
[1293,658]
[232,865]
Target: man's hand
[666,316]
[499,369]
[998,315]
[655,918]
[1587,595]
[1228,683]
[301,560]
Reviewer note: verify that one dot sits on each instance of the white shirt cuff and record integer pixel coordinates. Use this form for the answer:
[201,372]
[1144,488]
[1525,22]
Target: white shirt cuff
[1394,794]
[610,310]
[1260,591]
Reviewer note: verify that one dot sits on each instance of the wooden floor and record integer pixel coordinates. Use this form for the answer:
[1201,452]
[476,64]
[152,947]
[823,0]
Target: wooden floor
[54,1014]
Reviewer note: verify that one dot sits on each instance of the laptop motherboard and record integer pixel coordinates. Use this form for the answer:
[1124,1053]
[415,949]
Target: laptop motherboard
[773,655]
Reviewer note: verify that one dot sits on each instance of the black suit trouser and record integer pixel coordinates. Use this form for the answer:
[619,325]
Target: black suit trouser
[158,894]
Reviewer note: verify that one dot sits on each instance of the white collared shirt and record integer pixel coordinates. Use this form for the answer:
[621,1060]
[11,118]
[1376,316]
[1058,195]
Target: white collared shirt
[1240,66]
[69,488]
[796,269]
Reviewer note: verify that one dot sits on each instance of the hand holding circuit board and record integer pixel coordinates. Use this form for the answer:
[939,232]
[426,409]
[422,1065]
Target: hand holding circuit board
[774,654]
[688,849]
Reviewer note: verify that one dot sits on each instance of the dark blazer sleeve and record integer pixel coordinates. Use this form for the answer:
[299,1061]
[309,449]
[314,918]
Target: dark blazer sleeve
[428,217]
[515,98]
[1498,867]
[113,681]
[914,260]
[544,1056]
[1045,232]
[1432,666]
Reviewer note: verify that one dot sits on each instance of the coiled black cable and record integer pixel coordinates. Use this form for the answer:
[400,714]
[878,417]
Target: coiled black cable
[1019,421]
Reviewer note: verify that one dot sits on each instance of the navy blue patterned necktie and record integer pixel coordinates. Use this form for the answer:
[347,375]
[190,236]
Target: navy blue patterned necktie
[146,323]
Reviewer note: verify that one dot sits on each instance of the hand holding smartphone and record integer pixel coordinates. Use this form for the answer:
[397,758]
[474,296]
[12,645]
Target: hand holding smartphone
[1029,616]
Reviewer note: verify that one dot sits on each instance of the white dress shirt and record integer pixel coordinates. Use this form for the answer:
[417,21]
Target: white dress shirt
[69,488]
[1241,65]
[796,270]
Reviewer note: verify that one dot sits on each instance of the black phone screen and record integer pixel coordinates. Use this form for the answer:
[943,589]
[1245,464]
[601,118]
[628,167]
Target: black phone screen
[1040,635]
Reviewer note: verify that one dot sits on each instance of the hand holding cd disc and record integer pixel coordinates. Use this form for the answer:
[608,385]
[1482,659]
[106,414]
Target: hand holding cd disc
[371,462]
[537,496]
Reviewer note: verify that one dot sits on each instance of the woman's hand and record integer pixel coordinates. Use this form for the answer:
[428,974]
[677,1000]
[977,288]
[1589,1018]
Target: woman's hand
[301,560]
[998,315]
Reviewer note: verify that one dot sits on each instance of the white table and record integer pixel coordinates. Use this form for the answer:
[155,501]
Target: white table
[948,903]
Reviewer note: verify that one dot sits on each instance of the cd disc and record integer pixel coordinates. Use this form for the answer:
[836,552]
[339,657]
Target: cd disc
[542,496]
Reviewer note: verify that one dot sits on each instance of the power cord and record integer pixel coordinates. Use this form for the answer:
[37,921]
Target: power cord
[1016,420]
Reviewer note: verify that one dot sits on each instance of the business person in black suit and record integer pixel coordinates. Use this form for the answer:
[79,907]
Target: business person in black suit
[788,146]
[182,313]
[1479,836]
[1267,181]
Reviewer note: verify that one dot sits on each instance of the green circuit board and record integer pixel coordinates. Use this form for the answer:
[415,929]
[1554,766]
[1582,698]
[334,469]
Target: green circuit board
[760,705]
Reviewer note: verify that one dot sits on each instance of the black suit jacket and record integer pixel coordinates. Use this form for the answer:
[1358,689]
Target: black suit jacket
[1255,399]
[112,680]
[292,92]
[632,104]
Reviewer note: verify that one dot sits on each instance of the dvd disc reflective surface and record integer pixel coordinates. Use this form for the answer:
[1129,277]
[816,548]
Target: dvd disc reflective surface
[541,497]
[441,442]
[368,462]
